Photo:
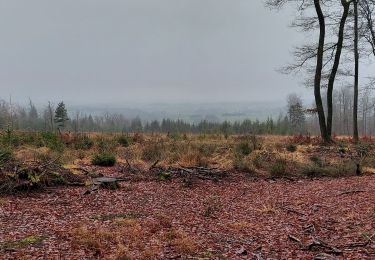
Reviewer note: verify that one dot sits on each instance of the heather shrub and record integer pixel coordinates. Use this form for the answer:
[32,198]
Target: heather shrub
[291,147]
[278,168]
[124,140]
[104,159]
[244,149]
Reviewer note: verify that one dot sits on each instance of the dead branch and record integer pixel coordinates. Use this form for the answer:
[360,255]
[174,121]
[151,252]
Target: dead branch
[351,191]
[154,165]
[293,211]
[295,239]
[360,244]
[198,172]
[320,243]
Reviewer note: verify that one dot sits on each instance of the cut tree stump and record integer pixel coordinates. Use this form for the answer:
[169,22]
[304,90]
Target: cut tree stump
[106,182]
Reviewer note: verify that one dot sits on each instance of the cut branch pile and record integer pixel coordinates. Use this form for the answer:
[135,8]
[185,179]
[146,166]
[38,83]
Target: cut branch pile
[28,176]
[198,172]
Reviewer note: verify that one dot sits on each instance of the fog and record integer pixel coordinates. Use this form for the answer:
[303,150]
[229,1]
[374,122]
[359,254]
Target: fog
[145,51]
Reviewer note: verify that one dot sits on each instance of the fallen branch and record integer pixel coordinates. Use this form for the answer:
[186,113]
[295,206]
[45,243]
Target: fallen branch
[82,170]
[352,191]
[293,211]
[154,165]
[295,239]
[319,243]
[198,172]
[130,168]
[360,244]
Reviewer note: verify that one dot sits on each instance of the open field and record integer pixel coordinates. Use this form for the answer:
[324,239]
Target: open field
[185,196]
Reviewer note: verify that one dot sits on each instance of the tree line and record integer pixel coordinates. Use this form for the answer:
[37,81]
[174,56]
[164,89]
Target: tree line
[50,118]
[297,119]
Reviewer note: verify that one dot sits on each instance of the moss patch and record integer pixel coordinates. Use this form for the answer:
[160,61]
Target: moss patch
[24,242]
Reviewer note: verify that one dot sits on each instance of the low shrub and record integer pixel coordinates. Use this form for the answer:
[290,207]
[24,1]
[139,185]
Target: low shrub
[10,138]
[163,176]
[244,149]
[6,154]
[175,136]
[257,160]
[291,147]
[84,143]
[104,159]
[124,140]
[105,145]
[152,152]
[256,142]
[206,149]
[243,164]
[193,158]
[278,168]
[312,171]
[334,170]
[138,138]
[51,140]
[262,158]
[317,160]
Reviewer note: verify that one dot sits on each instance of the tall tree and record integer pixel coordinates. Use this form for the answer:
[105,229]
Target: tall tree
[339,46]
[61,115]
[316,58]
[356,74]
[367,11]
[318,73]
[296,114]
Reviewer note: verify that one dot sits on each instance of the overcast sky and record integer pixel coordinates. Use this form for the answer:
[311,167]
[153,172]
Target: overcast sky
[87,51]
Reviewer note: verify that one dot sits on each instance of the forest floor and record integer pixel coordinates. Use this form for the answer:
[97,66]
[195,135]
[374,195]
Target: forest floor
[239,217]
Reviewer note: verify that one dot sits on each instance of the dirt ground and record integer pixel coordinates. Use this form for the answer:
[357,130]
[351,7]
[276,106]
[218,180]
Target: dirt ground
[240,217]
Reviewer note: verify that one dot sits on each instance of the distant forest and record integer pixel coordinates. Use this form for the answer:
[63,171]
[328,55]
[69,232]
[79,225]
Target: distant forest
[298,119]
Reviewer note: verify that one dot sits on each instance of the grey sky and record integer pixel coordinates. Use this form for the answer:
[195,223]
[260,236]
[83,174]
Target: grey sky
[144,50]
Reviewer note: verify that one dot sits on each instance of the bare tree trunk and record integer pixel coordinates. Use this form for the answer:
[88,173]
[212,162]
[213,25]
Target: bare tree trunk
[318,73]
[335,66]
[50,116]
[356,74]
[367,8]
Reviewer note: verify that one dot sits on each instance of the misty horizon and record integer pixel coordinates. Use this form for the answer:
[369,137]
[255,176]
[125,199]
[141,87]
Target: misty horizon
[139,51]
[146,52]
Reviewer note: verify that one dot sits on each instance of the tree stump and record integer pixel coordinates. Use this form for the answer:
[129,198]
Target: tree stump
[106,182]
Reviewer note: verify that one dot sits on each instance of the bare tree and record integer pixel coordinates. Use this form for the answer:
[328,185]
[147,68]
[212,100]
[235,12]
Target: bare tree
[339,46]
[356,74]
[324,54]
[367,9]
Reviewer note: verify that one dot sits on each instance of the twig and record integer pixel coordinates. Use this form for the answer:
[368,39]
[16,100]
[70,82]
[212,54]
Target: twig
[352,191]
[293,210]
[154,165]
[295,239]
[319,243]
[360,244]
[82,169]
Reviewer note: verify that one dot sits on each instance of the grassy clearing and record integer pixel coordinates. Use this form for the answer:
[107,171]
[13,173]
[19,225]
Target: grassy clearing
[275,156]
